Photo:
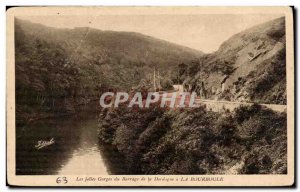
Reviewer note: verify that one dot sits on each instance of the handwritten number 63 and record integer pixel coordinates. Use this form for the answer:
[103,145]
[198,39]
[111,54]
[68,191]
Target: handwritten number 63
[62,180]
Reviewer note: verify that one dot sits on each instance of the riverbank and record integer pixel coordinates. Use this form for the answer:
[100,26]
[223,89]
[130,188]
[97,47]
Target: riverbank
[26,114]
[249,140]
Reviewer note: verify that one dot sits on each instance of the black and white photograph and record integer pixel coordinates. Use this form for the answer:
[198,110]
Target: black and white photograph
[145,96]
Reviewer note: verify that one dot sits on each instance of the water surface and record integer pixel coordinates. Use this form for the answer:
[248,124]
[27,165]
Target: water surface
[76,149]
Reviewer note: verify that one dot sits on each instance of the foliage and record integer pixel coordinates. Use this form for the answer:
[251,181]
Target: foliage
[196,141]
[59,69]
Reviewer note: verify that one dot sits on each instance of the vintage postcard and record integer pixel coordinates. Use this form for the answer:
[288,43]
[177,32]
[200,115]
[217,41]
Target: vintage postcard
[150,96]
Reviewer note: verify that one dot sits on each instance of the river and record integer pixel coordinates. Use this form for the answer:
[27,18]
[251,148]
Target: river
[76,148]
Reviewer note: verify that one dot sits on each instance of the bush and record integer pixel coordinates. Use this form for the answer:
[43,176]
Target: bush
[250,140]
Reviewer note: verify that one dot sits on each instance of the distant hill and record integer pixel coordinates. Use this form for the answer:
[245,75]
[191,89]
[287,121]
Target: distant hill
[58,69]
[123,57]
[249,66]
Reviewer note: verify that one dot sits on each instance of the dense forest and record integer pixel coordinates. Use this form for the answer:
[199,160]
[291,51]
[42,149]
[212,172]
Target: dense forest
[58,70]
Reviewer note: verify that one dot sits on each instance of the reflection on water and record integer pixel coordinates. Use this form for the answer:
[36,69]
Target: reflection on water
[90,161]
[75,150]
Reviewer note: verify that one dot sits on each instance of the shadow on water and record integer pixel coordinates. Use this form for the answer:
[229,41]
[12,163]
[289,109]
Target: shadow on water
[76,149]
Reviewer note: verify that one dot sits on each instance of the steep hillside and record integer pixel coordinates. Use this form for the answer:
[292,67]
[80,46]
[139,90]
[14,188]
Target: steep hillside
[157,141]
[59,69]
[124,57]
[250,66]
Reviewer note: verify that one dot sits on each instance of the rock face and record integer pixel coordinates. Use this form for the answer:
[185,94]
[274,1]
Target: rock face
[249,66]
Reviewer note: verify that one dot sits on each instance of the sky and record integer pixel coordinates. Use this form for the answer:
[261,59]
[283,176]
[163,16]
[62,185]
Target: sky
[202,32]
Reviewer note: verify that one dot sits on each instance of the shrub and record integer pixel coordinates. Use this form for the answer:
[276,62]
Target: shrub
[250,140]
